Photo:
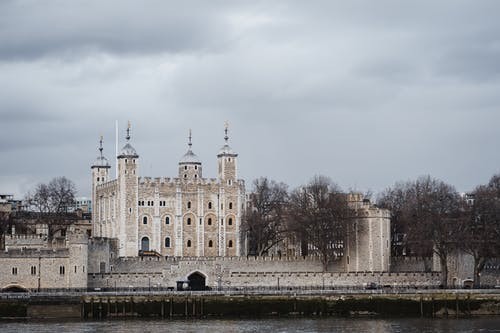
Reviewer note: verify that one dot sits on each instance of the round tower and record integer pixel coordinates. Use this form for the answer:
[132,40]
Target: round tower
[128,188]
[100,174]
[190,165]
[227,161]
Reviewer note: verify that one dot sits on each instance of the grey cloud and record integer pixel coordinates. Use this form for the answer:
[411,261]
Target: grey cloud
[36,29]
[367,93]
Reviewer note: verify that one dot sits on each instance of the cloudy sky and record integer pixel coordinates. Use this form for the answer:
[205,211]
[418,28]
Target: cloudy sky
[366,92]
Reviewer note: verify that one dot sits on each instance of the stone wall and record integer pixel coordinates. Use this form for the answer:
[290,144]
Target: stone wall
[21,241]
[34,263]
[245,272]
[44,268]
[100,252]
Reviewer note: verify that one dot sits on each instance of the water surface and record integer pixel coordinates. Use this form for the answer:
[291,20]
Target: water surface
[347,325]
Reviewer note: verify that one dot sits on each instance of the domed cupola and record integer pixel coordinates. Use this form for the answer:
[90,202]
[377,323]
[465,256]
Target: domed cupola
[128,150]
[101,161]
[190,164]
[226,150]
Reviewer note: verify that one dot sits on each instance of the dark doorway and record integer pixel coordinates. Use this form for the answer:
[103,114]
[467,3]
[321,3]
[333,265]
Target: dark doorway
[197,281]
[145,244]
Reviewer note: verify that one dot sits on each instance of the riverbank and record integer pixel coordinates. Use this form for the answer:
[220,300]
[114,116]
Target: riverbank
[101,305]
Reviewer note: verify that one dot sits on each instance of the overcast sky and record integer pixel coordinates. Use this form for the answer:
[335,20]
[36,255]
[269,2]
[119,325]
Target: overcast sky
[366,92]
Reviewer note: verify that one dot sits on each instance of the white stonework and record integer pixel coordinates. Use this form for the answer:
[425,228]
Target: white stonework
[184,216]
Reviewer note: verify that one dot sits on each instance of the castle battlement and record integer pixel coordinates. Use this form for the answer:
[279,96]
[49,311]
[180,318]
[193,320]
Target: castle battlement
[107,185]
[31,252]
[159,181]
[25,237]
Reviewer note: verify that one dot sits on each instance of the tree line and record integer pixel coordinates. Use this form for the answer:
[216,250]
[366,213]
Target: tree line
[428,217]
[48,203]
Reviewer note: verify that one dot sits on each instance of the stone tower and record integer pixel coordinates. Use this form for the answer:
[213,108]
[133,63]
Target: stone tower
[100,175]
[227,162]
[127,200]
[190,165]
[367,247]
[229,199]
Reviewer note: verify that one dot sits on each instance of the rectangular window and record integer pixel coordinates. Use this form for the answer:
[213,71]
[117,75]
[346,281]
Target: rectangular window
[14,270]
[61,270]
[33,270]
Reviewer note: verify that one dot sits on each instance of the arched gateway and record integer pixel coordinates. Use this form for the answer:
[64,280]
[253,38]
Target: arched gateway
[197,281]
[14,288]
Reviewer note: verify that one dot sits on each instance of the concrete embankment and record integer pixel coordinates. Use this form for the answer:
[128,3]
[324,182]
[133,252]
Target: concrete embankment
[203,305]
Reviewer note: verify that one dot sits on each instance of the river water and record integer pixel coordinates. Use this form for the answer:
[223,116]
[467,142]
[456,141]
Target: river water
[261,325]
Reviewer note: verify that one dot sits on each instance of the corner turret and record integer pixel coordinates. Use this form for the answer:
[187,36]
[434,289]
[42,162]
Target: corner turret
[100,174]
[227,161]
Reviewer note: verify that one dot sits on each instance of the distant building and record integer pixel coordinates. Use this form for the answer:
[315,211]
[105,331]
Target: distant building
[9,204]
[84,204]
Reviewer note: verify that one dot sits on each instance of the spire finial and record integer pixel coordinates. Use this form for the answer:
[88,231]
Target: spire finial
[128,131]
[226,126]
[100,145]
[189,140]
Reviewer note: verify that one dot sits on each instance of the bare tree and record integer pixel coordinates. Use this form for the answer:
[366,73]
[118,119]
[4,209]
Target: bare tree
[396,199]
[428,211]
[320,214]
[51,202]
[481,230]
[264,219]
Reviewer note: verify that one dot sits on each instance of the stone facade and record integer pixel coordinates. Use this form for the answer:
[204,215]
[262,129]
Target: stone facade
[32,263]
[368,243]
[184,216]
[252,272]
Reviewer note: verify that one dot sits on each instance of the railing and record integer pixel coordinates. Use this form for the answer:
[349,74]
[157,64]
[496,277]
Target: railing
[304,290]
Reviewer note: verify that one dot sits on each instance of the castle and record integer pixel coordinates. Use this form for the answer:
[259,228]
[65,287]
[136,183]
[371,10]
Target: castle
[184,216]
[163,232]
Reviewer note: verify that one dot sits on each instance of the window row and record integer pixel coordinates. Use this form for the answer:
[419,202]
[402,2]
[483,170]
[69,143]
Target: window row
[167,244]
[33,270]
[189,221]
[163,203]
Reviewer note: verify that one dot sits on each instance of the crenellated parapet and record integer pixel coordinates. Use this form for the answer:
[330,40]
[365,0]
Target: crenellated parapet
[110,185]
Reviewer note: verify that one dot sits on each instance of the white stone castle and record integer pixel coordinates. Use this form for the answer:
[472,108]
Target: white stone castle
[184,216]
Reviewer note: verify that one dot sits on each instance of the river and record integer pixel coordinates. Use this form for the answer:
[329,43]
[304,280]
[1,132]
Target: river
[275,325]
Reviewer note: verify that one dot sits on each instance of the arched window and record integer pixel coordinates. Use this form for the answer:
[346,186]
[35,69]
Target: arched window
[209,222]
[196,167]
[167,241]
[210,205]
[230,222]
[189,221]
[189,243]
[230,244]
[167,220]
[145,220]
[185,167]
[230,205]
[210,243]
[189,204]
[145,244]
